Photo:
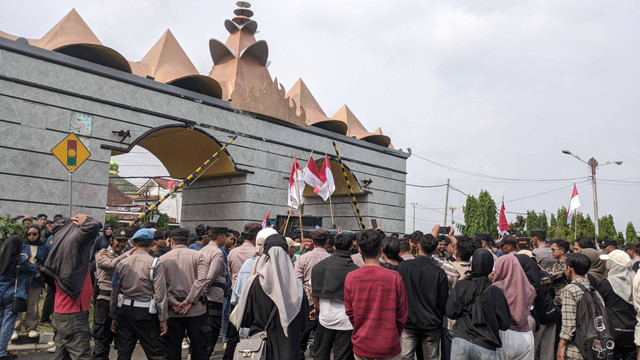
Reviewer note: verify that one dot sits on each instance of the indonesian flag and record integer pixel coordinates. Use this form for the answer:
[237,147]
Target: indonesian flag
[311,175]
[296,184]
[266,217]
[503,224]
[574,204]
[326,176]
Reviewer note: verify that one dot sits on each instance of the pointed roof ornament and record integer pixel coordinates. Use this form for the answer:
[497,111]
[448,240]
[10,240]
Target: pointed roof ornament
[167,62]
[303,98]
[357,130]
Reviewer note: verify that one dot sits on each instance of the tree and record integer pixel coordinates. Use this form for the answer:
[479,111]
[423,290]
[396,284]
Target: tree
[163,221]
[517,227]
[480,215]
[470,211]
[8,227]
[535,221]
[559,228]
[631,234]
[620,238]
[111,219]
[607,228]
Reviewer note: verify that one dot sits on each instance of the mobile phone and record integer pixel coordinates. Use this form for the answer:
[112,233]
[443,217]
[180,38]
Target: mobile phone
[444,230]
[374,223]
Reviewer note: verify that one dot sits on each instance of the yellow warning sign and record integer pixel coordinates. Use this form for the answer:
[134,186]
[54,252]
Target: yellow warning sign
[71,152]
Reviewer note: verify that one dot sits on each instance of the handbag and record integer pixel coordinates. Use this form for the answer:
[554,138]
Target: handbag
[19,305]
[253,347]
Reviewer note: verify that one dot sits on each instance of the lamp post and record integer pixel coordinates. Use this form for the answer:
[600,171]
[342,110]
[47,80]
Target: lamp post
[593,164]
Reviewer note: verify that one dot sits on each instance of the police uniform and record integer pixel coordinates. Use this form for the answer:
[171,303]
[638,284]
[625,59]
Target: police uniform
[217,277]
[106,260]
[185,272]
[132,303]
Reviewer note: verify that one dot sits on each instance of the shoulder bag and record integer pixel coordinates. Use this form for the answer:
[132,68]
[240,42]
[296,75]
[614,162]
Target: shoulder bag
[253,347]
[19,305]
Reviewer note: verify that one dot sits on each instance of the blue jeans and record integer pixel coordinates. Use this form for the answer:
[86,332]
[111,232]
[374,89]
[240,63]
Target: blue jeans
[226,311]
[461,349]
[7,322]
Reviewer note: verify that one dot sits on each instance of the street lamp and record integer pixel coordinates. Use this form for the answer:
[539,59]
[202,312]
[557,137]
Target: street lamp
[593,164]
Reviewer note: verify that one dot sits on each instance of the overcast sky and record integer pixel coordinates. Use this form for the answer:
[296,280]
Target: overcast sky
[496,88]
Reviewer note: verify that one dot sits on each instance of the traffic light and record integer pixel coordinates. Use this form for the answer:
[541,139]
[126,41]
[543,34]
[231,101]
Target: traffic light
[72,152]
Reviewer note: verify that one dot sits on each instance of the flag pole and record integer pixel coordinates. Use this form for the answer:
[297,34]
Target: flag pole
[575,219]
[286,223]
[299,202]
[333,224]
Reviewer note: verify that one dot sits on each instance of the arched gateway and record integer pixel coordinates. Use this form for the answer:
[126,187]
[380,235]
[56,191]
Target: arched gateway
[178,116]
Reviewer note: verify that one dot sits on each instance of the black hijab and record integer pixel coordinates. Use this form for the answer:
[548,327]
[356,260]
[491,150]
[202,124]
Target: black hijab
[481,266]
[10,254]
[276,240]
[39,241]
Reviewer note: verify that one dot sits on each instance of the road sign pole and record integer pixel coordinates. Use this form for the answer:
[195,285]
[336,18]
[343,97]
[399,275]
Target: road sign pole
[70,195]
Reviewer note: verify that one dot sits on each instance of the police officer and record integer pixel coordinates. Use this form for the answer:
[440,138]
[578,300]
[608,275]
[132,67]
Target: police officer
[216,280]
[106,260]
[185,272]
[139,301]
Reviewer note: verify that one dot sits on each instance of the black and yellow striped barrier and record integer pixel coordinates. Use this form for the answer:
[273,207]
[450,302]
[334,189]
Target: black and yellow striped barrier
[181,184]
[354,202]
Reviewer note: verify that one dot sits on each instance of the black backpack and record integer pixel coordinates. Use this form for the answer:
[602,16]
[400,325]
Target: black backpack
[544,307]
[592,336]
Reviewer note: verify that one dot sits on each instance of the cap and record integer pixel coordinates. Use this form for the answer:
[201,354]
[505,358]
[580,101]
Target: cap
[263,235]
[524,241]
[218,230]
[143,234]
[121,232]
[619,257]
[251,230]
[630,246]
[539,233]
[606,243]
[508,240]
[290,242]
[180,232]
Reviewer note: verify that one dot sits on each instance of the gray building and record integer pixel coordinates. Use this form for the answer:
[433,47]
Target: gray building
[45,95]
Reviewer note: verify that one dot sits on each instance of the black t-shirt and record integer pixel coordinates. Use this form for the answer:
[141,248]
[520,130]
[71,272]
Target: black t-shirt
[621,314]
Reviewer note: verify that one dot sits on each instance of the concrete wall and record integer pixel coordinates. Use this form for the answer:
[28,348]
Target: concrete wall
[41,90]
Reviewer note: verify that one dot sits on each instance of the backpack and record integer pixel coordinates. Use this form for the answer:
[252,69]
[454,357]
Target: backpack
[592,337]
[545,309]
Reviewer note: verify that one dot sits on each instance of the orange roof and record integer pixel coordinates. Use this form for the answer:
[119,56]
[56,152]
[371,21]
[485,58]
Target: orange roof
[303,98]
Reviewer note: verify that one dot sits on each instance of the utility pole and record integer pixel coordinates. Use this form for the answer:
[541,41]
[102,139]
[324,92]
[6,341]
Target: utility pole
[593,163]
[414,216]
[446,205]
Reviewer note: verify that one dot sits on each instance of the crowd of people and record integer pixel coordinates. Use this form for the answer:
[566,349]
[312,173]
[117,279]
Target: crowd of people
[344,295]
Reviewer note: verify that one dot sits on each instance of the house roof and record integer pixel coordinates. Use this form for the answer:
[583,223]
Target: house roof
[122,184]
[115,197]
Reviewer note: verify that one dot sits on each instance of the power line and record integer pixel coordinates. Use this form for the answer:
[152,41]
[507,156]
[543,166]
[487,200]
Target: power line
[472,173]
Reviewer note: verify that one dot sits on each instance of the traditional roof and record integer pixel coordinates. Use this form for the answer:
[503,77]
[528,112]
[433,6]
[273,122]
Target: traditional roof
[357,130]
[166,184]
[168,63]
[239,73]
[303,98]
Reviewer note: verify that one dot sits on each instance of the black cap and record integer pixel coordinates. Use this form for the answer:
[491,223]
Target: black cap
[218,230]
[609,242]
[524,242]
[180,232]
[508,240]
[539,233]
[121,232]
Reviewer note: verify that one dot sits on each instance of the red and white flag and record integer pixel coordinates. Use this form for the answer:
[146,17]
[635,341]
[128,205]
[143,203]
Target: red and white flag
[326,176]
[503,224]
[266,217]
[296,185]
[310,174]
[574,204]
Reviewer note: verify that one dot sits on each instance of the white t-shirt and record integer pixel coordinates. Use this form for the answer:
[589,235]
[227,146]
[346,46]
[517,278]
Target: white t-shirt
[332,315]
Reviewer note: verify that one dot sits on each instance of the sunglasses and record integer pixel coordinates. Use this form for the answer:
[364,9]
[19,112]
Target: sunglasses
[32,234]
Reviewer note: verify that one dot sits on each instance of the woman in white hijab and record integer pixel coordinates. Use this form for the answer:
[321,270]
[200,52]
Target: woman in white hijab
[274,286]
[617,292]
